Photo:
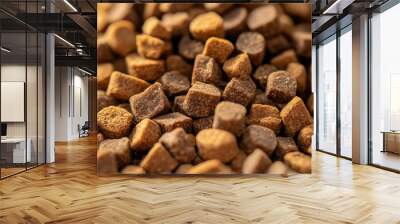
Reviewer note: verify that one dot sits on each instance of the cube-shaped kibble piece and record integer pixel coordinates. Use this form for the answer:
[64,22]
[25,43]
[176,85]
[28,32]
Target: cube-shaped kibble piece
[285,145]
[218,48]
[121,37]
[149,103]
[183,169]
[174,83]
[281,87]
[180,144]
[177,63]
[112,155]
[144,68]
[153,27]
[207,25]
[189,48]
[256,136]
[104,71]
[259,111]
[253,44]
[169,122]
[201,99]
[235,21]
[277,168]
[104,52]
[132,169]
[240,90]
[238,66]
[261,74]
[299,73]
[177,23]
[304,137]
[256,162]
[177,106]
[104,101]
[230,117]
[277,44]
[265,20]
[216,144]
[114,122]
[273,123]
[237,162]
[298,161]
[123,86]
[206,70]
[295,116]
[202,123]
[150,47]
[282,60]
[145,135]
[212,166]
[158,160]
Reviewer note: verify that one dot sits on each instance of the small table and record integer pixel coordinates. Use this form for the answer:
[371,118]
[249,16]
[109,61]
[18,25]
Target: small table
[391,141]
[14,150]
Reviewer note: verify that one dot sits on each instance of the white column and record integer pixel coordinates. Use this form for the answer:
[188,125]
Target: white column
[50,98]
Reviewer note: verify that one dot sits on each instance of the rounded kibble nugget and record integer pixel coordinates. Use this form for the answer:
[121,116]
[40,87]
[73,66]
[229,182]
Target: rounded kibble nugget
[253,44]
[158,160]
[174,83]
[218,48]
[114,122]
[189,48]
[123,86]
[298,161]
[183,169]
[304,137]
[282,60]
[235,21]
[238,66]
[174,7]
[144,68]
[144,135]
[262,72]
[299,73]
[180,144]
[177,23]
[216,144]
[256,136]
[210,167]
[230,117]
[240,90]
[281,87]
[121,37]
[286,23]
[201,100]
[277,44]
[256,162]
[150,47]
[264,20]
[153,26]
[277,168]
[207,25]
[217,7]
[131,169]
[237,162]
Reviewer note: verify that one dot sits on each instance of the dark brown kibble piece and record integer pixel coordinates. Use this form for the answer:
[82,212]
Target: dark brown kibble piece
[202,123]
[218,48]
[235,21]
[237,162]
[256,162]
[295,116]
[298,161]
[174,7]
[144,68]
[174,83]
[153,27]
[207,25]
[103,75]
[216,144]
[299,73]
[114,122]
[158,160]
[241,91]
[104,52]
[262,72]
[145,135]
[104,101]
[206,70]
[125,106]
[150,47]
[230,117]
[256,136]
[264,20]
[169,122]
[281,87]
[285,145]
[177,106]
[210,167]
[189,48]
[238,66]
[112,155]
[259,111]
[123,86]
[282,60]
[277,44]
[301,11]
[134,170]
[253,44]
[180,144]
[177,23]
[121,37]
[177,63]
[304,138]
[201,100]
[149,103]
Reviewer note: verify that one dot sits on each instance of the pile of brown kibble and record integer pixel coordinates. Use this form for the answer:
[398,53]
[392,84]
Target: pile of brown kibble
[204,88]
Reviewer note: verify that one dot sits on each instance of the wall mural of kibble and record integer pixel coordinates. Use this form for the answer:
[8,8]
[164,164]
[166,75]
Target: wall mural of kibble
[212,88]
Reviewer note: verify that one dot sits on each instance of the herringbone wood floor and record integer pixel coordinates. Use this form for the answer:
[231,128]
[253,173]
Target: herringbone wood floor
[70,192]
